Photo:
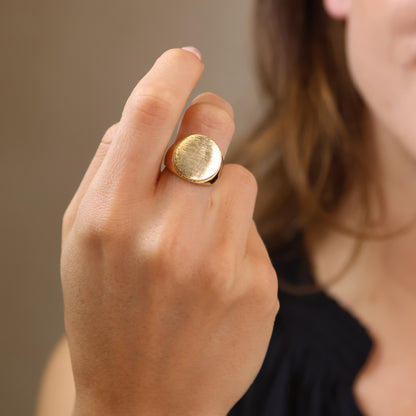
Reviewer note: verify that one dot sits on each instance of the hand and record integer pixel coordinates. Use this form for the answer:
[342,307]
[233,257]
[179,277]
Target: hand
[170,296]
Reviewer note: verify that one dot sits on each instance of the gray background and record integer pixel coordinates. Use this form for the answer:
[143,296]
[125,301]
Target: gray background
[66,71]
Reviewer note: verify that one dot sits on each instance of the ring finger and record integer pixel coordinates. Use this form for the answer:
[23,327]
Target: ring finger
[209,115]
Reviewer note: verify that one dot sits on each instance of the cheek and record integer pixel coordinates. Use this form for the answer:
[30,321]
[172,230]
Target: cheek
[381,48]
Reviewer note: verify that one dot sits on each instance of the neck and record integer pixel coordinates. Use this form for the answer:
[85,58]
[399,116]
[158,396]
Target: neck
[387,264]
[395,171]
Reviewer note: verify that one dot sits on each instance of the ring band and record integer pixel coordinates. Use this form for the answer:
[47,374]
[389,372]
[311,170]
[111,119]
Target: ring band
[196,159]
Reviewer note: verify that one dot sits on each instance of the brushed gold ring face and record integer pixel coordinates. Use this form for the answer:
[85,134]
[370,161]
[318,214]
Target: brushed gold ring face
[197,159]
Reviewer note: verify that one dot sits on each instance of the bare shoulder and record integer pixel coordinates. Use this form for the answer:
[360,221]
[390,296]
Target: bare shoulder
[57,391]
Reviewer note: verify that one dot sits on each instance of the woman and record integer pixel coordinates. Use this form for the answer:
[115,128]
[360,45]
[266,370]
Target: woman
[170,293]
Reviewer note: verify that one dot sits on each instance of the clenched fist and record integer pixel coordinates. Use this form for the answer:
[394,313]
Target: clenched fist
[170,296]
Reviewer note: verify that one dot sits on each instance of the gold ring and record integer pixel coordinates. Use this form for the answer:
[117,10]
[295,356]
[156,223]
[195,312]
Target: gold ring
[196,159]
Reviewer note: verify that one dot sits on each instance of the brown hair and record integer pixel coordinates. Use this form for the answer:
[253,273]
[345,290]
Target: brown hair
[309,151]
[309,148]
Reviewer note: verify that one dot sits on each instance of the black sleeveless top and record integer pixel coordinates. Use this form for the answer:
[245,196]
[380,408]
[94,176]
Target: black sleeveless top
[316,350]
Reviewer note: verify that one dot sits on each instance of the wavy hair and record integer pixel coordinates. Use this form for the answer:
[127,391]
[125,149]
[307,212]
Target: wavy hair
[309,149]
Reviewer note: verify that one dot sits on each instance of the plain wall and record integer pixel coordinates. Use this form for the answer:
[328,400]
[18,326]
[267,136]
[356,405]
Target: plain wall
[66,71]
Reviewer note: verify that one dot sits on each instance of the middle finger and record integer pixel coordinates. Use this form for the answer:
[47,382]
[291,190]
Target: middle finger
[209,115]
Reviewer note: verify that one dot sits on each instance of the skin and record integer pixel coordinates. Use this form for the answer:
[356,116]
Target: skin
[380,288]
[155,326]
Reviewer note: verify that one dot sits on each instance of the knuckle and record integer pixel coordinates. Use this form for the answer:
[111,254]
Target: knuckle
[151,103]
[168,252]
[188,269]
[266,286]
[67,216]
[276,306]
[210,97]
[242,176]
[271,282]
[161,250]
[67,219]
[211,117]
[219,274]
[175,260]
[93,225]
[109,134]
[92,229]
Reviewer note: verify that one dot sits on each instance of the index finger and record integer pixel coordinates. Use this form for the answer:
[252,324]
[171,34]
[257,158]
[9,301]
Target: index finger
[149,118]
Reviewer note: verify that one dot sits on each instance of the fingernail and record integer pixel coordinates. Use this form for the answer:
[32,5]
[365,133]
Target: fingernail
[194,50]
